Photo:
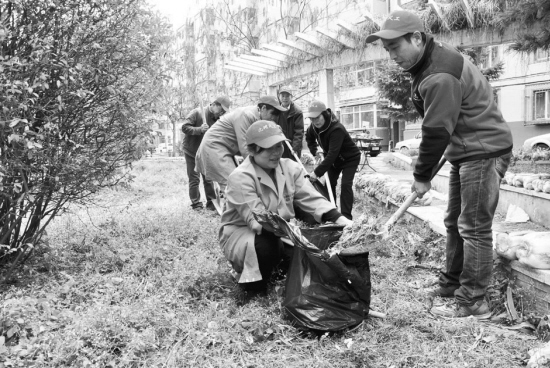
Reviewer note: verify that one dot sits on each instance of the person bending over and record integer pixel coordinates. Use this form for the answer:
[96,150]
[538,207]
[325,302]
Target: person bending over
[341,155]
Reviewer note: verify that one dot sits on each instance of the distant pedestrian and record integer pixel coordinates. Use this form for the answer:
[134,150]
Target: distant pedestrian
[462,122]
[194,127]
[292,123]
[341,155]
[215,156]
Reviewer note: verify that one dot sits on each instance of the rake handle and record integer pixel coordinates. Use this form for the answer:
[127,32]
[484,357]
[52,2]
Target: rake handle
[410,199]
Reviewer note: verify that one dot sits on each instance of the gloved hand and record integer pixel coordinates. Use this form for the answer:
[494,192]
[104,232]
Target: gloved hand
[312,177]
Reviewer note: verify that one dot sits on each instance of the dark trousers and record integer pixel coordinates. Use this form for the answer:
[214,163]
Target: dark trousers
[346,193]
[194,182]
[473,197]
[271,254]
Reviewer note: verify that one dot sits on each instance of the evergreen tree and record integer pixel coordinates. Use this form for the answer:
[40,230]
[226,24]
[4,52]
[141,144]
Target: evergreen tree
[535,16]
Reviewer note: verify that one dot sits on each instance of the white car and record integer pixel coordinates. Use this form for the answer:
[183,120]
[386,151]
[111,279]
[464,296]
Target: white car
[538,142]
[408,144]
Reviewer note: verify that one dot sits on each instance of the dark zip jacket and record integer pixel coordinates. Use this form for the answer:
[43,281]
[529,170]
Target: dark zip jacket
[292,124]
[336,144]
[461,118]
[193,131]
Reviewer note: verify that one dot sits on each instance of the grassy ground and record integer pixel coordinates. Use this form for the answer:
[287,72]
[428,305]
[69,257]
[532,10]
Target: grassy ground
[138,280]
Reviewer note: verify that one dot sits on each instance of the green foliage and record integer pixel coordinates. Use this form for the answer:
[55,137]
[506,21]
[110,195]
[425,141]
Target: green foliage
[535,16]
[75,87]
[493,73]
[395,85]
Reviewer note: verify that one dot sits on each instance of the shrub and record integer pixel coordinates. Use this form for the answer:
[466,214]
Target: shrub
[77,79]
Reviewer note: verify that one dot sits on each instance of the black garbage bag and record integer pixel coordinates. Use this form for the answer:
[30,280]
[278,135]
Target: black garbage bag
[323,291]
[319,297]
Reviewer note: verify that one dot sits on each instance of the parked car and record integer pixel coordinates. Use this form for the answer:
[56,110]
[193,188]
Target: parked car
[369,144]
[538,142]
[408,144]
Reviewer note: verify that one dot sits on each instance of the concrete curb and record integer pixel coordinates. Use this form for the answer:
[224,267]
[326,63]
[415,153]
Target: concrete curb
[534,283]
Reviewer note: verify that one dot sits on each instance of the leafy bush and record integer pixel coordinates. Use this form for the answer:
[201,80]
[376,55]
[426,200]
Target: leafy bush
[76,83]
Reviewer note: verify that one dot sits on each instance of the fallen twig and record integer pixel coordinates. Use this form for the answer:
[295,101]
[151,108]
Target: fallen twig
[430,268]
[376,314]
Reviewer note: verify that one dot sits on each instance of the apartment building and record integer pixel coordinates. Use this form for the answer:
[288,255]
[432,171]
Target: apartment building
[246,48]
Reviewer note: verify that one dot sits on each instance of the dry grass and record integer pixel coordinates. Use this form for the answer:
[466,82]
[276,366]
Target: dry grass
[140,282]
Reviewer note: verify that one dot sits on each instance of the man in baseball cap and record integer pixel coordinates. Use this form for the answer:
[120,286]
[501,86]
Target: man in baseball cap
[271,101]
[225,139]
[224,102]
[403,37]
[462,123]
[398,23]
[292,123]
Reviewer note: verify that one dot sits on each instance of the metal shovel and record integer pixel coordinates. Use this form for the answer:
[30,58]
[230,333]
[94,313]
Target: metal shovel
[316,184]
[371,240]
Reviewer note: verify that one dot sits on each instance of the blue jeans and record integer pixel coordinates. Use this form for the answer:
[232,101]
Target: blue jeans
[473,197]
[194,181]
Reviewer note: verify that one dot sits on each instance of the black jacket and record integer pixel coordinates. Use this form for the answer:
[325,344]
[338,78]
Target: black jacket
[336,144]
[292,124]
[193,131]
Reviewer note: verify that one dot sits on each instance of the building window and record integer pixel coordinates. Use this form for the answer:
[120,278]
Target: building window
[346,117]
[358,117]
[542,55]
[365,73]
[542,105]
[489,57]
[360,75]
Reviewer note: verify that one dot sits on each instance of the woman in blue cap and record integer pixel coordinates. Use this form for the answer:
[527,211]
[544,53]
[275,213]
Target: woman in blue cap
[265,181]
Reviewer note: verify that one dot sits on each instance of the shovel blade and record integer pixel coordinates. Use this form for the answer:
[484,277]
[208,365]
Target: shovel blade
[217,204]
